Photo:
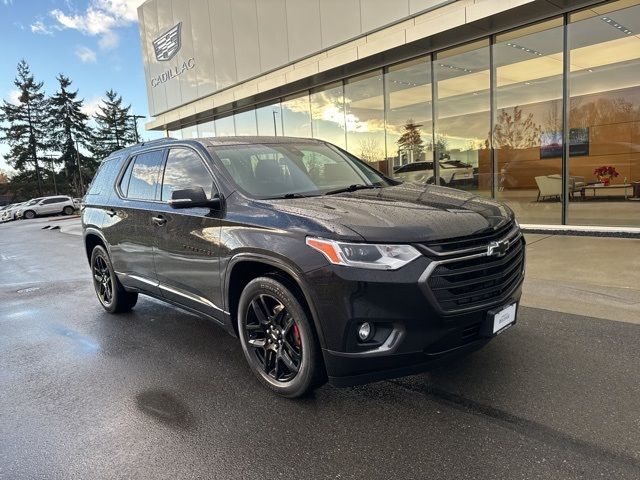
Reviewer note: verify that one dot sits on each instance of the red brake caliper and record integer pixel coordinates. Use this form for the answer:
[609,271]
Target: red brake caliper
[296,335]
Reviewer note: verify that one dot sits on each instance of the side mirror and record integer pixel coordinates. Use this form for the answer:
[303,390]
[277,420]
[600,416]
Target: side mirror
[193,197]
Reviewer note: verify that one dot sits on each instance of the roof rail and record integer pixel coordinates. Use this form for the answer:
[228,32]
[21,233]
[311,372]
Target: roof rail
[157,140]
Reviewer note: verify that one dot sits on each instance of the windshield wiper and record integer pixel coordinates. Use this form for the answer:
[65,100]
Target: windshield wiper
[352,188]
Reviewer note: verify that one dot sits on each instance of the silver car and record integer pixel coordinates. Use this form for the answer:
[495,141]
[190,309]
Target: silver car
[9,212]
[47,206]
[451,171]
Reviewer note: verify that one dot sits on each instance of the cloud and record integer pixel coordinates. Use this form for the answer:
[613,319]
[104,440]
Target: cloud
[100,17]
[85,54]
[109,41]
[7,2]
[91,106]
[39,27]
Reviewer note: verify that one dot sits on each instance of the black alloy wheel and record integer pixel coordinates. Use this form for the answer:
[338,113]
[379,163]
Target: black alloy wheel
[102,280]
[274,337]
[110,292]
[278,337]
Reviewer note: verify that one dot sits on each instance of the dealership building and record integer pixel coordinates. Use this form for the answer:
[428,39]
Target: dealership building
[526,101]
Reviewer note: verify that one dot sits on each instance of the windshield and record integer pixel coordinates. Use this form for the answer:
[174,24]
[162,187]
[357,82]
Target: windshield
[287,170]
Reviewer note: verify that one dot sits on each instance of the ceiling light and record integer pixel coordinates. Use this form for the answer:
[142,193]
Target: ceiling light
[525,49]
[617,25]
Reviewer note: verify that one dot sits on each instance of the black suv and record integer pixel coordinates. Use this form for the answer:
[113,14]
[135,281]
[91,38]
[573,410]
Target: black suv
[322,266]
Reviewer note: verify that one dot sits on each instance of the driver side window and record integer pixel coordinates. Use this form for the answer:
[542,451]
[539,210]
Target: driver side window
[185,169]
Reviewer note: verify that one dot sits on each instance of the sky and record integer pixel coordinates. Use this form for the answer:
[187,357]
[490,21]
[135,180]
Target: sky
[94,42]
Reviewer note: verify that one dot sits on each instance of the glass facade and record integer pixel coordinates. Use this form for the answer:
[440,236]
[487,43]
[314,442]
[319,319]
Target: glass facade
[496,126]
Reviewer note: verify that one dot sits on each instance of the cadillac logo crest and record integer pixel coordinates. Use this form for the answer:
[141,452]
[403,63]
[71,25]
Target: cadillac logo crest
[168,44]
[499,248]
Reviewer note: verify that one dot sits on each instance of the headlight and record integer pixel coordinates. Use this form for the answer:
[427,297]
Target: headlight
[363,255]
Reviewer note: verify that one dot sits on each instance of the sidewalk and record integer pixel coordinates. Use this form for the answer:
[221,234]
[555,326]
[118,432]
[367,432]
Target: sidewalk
[591,276]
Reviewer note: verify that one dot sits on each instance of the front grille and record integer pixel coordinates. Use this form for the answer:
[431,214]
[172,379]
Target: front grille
[468,283]
[443,247]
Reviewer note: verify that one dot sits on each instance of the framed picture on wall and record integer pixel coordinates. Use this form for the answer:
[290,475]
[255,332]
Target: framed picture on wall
[551,143]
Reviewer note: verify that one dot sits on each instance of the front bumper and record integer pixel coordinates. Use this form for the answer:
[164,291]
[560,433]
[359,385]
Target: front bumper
[415,334]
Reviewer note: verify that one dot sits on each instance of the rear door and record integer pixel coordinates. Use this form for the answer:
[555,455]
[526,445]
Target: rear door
[187,239]
[51,205]
[132,229]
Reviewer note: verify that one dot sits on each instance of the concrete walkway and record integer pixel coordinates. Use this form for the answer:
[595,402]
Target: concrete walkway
[595,277]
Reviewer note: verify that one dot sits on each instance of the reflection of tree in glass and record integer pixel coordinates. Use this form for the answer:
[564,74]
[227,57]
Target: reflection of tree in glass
[411,138]
[553,120]
[441,144]
[370,150]
[513,131]
[601,111]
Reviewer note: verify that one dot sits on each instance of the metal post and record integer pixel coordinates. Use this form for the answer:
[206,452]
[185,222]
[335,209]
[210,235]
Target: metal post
[434,119]
[275,125]
[565,122]
[135,125]
[493,155]
[79,169]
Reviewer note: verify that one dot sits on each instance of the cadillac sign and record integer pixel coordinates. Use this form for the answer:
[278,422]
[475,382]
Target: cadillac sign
[165,47]
[168,44]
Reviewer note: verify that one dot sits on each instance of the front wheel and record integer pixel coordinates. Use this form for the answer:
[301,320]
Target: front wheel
[29,214]
[110,292]
[278,338]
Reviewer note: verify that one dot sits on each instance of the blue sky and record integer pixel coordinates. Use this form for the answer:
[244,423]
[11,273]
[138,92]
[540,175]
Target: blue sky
[94,42]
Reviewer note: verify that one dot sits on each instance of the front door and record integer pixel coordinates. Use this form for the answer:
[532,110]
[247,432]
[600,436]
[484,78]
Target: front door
[132,228]
[187,239]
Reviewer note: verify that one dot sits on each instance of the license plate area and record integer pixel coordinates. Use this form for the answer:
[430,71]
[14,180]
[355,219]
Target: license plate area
[499,319]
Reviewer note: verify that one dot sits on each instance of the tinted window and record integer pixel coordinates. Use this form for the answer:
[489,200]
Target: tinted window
[185,170]
[144,175]
[54,200]
[124,181]
[103,176]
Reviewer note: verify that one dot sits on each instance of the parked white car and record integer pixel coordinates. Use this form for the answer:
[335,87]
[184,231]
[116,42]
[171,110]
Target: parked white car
[451,171]
[47,206]
[9,212]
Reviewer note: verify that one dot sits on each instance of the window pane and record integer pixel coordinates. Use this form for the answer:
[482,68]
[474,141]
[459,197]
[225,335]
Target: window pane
[296,116]
[190,132]
[604,115]
[144,176]
[269,120]
[528,126]
[206,129]
[327,113]
[464,118]
[225,127]
[126,178]
[409,123]
[246,123]
[184,170]
[364,106]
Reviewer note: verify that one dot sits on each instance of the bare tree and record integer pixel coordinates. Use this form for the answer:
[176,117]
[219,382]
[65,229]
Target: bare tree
[370,150]
[514,131]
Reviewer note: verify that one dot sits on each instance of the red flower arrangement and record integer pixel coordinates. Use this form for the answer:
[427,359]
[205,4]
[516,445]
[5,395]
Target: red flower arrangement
[605,174]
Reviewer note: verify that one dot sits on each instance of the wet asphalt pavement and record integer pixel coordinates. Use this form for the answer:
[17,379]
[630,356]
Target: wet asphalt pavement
[159,393]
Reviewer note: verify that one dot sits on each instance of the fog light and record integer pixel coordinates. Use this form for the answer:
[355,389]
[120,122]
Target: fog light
[365,332]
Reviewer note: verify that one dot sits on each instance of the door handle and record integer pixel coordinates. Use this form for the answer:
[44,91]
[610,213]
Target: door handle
[159,220]
[111,212]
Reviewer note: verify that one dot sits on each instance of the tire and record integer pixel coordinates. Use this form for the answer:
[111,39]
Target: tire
[110,292]
[68,210]
[29,214]
[284,356]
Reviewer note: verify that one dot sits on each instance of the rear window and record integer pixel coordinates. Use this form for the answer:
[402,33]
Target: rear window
[140,180]
[103,178]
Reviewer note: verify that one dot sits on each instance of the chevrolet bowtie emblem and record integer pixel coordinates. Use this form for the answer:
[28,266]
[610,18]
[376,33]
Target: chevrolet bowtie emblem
[168,44]
[499,248]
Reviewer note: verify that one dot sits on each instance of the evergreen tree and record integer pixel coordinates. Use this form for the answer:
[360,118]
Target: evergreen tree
[113,126]
[69,129]
[410,138]
[24,125]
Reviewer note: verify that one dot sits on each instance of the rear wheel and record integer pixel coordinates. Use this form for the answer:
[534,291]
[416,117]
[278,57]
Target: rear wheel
[29,214]
[278,338]
[68,210]
[110,292]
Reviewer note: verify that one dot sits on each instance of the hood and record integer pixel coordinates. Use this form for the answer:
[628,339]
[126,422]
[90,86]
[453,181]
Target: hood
[404,213]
